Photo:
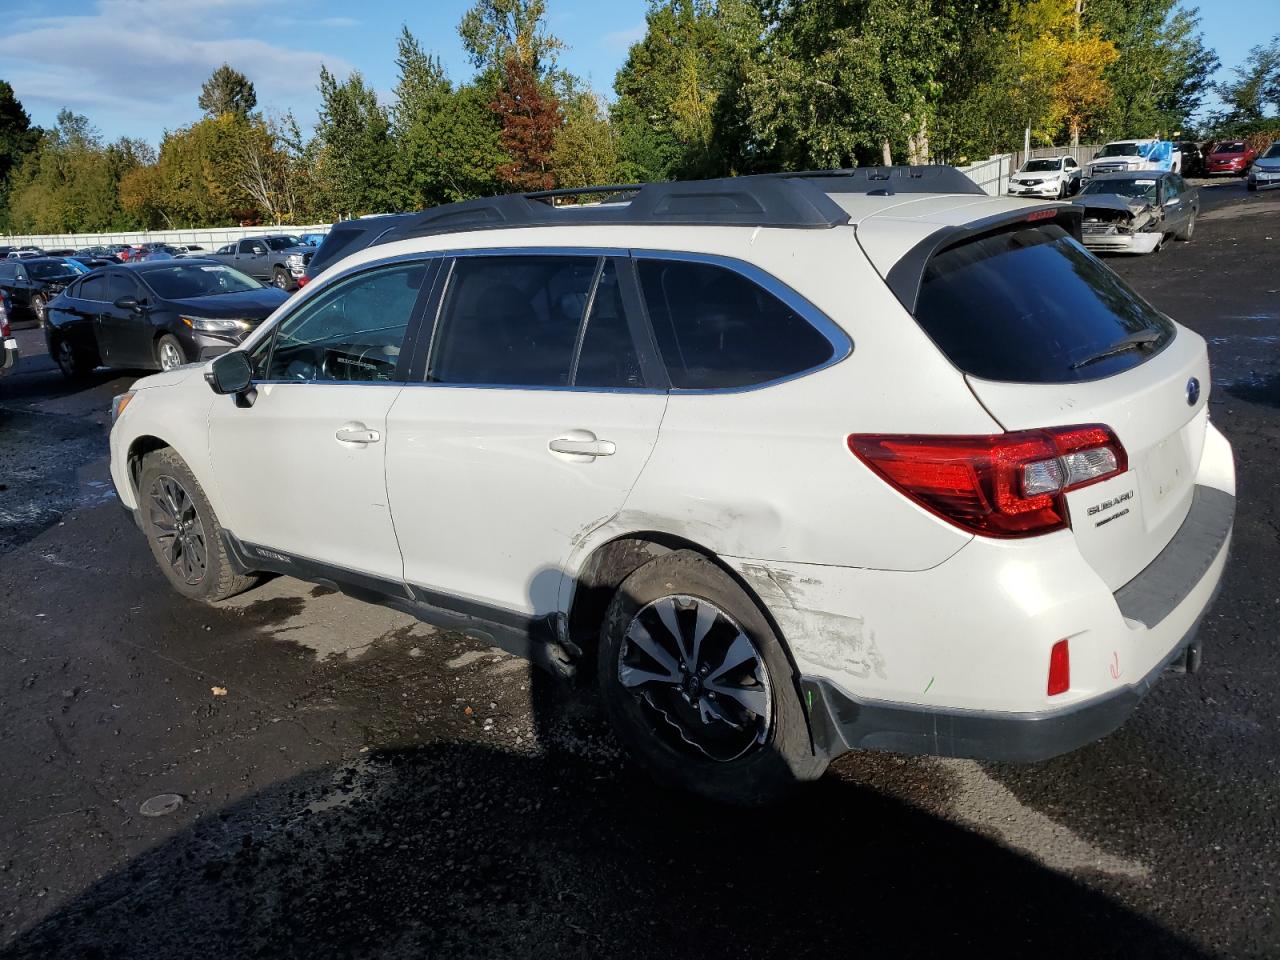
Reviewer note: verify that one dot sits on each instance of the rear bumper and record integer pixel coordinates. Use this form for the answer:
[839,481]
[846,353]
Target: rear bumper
[1173,593]
[1123,243]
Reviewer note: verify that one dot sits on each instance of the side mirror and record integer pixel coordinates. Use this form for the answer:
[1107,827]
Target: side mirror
[230,373]
[128,303]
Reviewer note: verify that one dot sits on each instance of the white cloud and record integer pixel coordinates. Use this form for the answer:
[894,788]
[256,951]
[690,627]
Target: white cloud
[149,57]
[620,40]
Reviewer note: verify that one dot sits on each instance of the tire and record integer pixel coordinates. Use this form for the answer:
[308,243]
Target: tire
[40,307]
[1187,232]
[696,745]
[192,557]
[169,352]
[1251,187]
[74,364]
[1062,190]
[281,279]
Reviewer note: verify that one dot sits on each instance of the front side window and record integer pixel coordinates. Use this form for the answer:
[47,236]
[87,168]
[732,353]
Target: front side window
[352,332]
[119,285]
[717,329]
[93,287]
[512,321]
[282,243]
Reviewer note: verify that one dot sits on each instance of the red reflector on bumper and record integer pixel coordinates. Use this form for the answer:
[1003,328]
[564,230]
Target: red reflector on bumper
[1059,668]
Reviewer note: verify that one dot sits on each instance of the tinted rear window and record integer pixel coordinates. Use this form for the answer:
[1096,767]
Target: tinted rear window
[1031,305]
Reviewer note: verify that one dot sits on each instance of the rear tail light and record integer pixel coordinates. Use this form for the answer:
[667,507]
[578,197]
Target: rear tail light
[1004,485]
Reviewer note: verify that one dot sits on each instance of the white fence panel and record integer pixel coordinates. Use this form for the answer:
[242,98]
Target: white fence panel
[210,237]
[992,174]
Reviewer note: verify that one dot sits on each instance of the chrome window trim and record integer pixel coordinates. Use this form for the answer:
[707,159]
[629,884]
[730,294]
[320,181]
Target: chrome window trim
[840,341]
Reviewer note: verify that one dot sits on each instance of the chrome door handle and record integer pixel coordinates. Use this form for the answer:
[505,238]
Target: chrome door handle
[357,433]
[582,447]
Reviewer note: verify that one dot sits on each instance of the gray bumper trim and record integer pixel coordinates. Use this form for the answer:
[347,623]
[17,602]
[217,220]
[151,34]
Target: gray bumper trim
[839,722]
[1154,593]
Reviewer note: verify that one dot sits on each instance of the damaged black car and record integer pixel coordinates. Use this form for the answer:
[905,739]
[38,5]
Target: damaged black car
[1136,212]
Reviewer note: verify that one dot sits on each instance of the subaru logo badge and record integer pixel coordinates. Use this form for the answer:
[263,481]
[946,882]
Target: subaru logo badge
[1193,391]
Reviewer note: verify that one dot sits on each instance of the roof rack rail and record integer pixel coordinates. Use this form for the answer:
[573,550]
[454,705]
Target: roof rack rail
[795,200]
[887,181]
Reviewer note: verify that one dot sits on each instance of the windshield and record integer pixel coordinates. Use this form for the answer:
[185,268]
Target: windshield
[181,281]
[1273,151]
[1138,189]
[53,271]
[1229,148]
[282,243]
[1028,304]
[1119,150]
[1037,166]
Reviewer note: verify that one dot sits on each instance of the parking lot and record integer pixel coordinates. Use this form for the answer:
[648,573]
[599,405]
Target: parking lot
[349,781]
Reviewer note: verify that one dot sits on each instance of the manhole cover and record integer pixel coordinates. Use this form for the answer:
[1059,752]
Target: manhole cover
[161,805]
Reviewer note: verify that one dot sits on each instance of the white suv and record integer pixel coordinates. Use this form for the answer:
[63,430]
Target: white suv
[1047,177]
[801,463]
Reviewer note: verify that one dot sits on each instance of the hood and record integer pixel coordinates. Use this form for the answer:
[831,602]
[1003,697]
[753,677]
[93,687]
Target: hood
[1268,163]
[249,305]
[1111,201]
[168,378]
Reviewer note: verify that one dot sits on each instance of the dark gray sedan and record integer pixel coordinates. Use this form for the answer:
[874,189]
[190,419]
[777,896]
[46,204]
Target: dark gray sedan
[1136,212]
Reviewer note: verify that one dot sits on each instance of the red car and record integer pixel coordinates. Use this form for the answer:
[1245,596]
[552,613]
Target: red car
[1231,157]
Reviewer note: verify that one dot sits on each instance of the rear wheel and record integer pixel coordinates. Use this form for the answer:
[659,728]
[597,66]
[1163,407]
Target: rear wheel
[169,352]
[183,531]
[74,364]
[698,686]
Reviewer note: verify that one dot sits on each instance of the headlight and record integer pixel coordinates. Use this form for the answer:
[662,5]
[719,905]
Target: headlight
[118,403]
[294,260]
[211,325]
[1254,168]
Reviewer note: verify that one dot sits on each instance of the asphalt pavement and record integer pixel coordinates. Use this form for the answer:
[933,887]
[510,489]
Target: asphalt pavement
[298,773]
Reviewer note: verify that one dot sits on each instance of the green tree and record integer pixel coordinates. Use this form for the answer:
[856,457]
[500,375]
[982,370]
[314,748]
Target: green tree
[70,182]
[352,149]
[494,30]
[1163,69]
[585,152]
[446,140]
[17,139]
[1255,86]
[676,112]
[227,91]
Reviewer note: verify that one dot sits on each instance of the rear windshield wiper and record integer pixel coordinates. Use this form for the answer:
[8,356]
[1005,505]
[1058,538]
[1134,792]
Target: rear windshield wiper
[1134,341]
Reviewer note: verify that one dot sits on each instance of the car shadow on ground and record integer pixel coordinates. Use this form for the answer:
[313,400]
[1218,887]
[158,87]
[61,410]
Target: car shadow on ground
[463,850]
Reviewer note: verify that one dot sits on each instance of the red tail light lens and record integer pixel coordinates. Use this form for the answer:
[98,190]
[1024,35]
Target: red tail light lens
[1004,485]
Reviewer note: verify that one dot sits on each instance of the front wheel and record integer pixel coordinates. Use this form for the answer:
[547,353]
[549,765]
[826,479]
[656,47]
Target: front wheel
[281,279]
[169,352]
[183,531]
[1189,230]
[40,307]
[698,687]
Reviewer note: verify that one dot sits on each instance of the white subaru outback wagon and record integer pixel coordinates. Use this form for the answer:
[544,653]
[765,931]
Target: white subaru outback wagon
[799,464]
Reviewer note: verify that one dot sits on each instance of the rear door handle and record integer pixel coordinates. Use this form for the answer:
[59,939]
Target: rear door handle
[582,444]
[357,433]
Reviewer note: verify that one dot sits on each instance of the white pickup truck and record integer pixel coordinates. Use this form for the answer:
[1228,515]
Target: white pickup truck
[1123,156]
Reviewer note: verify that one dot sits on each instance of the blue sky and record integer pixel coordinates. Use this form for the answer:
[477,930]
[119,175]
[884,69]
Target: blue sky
[135,66]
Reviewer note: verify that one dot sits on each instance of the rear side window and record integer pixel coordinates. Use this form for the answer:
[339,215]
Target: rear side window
[1030,305]
[717,329]
[512,321]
